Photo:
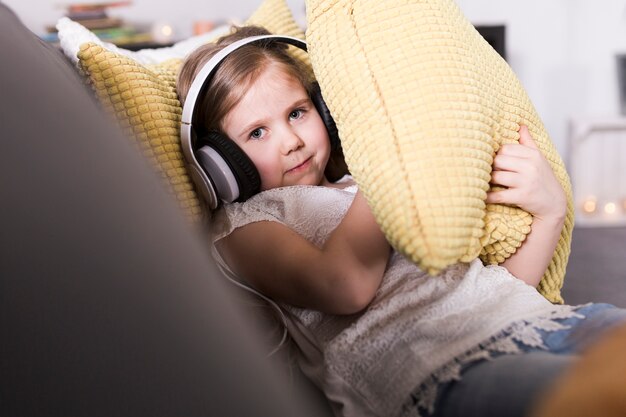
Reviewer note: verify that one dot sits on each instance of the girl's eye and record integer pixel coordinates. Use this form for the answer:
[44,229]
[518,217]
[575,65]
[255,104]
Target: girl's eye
[296,114]
[256,133]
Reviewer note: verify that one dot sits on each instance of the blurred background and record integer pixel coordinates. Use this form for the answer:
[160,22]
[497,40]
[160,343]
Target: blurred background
[570,55]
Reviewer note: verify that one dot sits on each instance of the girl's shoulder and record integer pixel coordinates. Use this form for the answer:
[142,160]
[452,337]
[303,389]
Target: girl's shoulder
[297,207]
[300,194]
[297,198]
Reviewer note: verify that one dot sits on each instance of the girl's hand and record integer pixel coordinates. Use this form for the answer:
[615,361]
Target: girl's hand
[529,180]
[531,185]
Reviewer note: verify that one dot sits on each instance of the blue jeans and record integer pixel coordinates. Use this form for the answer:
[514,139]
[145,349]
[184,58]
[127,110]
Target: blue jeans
[509,385]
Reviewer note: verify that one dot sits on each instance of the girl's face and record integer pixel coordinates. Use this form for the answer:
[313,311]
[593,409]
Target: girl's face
[278,127]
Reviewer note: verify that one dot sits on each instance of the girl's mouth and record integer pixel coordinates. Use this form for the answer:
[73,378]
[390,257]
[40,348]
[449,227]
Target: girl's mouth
[304,165]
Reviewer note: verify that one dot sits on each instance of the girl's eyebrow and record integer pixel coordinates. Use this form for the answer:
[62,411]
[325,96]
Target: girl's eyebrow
[300,102]
[251,125]
[248,127]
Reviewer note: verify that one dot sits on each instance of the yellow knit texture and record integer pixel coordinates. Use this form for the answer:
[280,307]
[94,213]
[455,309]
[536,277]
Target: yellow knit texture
[144,101]
[423,103]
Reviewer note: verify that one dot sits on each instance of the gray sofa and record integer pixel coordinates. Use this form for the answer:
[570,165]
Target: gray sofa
[109,304]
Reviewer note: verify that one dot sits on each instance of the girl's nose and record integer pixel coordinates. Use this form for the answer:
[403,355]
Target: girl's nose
[291,142]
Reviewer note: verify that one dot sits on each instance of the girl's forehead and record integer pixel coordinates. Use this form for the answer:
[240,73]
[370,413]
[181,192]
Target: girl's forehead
[273,92]
[279,70]
[276,81]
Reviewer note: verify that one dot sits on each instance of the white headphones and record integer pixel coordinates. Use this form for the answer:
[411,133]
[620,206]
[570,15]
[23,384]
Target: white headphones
[217,166]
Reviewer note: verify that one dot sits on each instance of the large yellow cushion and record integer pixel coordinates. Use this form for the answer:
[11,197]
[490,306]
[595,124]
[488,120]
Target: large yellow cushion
[144,101]
[422,103]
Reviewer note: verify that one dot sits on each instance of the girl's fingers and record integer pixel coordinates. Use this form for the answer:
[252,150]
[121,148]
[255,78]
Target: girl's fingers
[509,163]
[524,149]
[508,196]
[505,178]
[526,175]
[526,139]
[518,150]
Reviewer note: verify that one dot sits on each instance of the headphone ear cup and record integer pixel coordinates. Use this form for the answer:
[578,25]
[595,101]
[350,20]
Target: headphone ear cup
[327,118]
[241,167]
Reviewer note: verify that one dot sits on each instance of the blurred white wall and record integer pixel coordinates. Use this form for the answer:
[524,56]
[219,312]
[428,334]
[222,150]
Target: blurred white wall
[37,14]
[563,51]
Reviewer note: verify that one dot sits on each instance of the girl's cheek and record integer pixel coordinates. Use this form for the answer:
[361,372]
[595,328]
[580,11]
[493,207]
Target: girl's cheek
[265,170]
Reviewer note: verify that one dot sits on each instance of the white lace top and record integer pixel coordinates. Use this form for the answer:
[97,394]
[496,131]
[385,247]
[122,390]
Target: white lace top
[417,332]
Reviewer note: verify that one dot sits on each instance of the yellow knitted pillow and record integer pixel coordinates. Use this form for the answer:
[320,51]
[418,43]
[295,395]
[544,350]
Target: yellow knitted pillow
[422,103]
[144,101]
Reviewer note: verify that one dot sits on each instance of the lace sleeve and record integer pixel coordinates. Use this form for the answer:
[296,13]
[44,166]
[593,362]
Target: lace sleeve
[232,216]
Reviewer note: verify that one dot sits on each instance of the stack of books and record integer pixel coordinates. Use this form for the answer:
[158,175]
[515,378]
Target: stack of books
[95,17]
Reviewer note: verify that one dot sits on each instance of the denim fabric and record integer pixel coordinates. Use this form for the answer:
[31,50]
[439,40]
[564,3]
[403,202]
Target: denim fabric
[508,385]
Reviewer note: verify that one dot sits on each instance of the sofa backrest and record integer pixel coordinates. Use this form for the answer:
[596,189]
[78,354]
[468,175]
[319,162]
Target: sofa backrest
[109,303]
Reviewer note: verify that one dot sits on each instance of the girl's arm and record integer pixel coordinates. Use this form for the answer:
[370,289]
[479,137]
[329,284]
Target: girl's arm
[341,278]
[531,185]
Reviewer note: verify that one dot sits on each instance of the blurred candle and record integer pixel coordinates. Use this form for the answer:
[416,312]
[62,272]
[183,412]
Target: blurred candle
[590,205]
[610,208]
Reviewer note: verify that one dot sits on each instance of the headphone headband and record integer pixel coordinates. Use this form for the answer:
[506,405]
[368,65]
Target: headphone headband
[210,67]
[203,77]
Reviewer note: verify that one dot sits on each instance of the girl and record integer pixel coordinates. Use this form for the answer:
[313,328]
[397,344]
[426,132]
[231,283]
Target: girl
[378,335]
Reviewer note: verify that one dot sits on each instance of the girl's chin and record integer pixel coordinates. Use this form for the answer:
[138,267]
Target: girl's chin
[292,180]
[307,178]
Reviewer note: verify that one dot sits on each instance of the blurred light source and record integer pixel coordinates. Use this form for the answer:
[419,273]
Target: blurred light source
[162,32]
[590,205]
[610,208]
[596,157]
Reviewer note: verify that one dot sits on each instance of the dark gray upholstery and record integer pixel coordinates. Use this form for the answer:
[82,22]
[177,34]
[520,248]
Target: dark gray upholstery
[596,270]
[109,303]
